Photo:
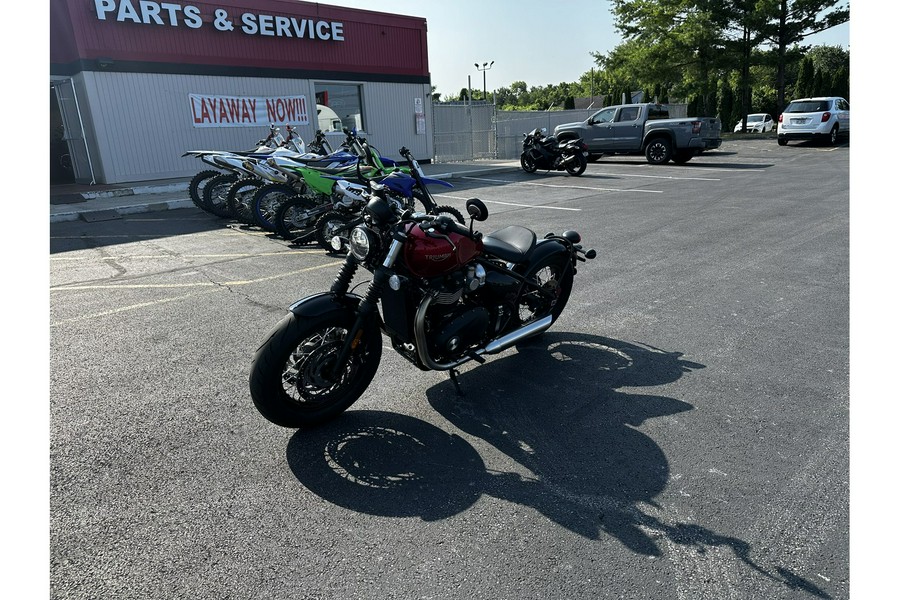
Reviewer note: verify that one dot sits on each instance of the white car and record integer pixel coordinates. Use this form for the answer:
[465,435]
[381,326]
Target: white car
[757,123]
[825,118]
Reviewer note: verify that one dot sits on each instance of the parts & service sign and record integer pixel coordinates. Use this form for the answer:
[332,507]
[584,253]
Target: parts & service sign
[145,12]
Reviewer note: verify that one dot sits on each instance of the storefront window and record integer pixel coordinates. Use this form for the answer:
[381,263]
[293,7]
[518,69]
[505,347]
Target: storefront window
[339,105]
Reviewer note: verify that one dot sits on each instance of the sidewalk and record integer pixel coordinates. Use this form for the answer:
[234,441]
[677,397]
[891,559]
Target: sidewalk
[102,202]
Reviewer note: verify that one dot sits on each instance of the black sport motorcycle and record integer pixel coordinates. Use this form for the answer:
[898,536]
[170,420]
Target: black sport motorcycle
[448,295]
[548,153]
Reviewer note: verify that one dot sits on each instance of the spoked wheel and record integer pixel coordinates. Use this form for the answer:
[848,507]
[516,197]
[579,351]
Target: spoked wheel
[577,166]
[295,219]
[240,199]
[528,164]
[293,381]
[331,224]
[554,274]
[266,201]
[215,194]
[198,182]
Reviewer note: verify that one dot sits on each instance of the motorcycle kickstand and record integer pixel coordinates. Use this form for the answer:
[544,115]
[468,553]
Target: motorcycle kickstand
[453,374]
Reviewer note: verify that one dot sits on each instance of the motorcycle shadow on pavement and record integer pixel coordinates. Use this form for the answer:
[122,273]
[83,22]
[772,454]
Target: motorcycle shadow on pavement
[567,437]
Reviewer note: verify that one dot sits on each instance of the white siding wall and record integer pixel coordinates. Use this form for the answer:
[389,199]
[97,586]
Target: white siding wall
[139,124]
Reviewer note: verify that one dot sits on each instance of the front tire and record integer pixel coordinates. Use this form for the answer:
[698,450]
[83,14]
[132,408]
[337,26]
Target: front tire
[528,163]
[240,199]
[290,380]
[577,167]
[295,219]
[198,182]
[329,225]
[658,151]
[266,202]
[215,195]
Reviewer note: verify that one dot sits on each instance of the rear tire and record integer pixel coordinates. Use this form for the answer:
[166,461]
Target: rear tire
[782,141]
[834,135]
[290,383]
[682,157]
[658,151]
[449,211]
[578,166]
[555,274]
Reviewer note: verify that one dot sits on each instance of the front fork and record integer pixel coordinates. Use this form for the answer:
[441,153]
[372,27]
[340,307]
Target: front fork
[368,307]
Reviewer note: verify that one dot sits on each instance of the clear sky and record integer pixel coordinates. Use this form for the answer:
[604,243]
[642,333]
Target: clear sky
[534,41]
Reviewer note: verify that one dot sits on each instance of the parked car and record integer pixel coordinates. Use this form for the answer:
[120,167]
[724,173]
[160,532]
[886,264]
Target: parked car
[757,123]
[644,129]
[825,118]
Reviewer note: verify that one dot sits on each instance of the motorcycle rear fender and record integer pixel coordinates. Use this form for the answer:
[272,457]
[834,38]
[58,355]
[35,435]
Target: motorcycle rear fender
[542,250]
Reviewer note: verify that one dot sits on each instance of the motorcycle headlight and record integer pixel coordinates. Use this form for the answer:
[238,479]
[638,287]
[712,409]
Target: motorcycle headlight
[363,243]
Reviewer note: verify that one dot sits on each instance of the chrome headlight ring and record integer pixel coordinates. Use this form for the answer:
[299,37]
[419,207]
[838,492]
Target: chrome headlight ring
[363,243]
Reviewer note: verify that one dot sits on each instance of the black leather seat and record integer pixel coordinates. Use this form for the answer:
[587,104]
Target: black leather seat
[512,243]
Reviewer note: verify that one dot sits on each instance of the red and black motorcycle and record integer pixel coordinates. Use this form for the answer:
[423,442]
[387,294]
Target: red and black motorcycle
[547,153]
[448,295]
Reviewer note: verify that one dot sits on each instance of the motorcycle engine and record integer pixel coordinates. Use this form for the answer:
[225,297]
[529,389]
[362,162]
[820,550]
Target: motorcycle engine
[453,322]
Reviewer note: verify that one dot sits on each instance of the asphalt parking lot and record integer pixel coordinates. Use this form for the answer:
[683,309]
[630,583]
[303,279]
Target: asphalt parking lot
[680,433]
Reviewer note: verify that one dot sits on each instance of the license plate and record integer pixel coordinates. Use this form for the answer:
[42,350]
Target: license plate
[799,121]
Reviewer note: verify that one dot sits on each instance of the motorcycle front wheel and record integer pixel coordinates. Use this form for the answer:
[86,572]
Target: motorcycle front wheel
[266,202]
[577,166]
[198,182]
[295,220]
[291,378]
[240,199]
[528,163]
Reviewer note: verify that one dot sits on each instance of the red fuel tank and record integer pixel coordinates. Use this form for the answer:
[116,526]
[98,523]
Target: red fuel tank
[427,256]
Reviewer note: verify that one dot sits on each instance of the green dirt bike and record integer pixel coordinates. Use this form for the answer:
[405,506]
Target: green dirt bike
[336,205]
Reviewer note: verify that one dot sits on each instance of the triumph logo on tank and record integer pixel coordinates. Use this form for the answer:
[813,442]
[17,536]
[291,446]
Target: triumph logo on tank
[146,12]
[244,111]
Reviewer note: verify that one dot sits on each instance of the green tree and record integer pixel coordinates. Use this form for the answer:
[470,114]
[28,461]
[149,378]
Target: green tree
[804,85]
[792,21]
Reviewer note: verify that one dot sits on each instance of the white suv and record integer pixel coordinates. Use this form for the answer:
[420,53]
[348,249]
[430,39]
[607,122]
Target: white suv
[814,118]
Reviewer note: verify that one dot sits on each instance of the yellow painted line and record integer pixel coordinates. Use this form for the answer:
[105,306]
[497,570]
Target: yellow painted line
[156,256]
[122,309]
[140,286]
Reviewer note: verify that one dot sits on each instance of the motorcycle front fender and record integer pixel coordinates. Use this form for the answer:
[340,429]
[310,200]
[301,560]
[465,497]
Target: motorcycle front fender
[323,303]
[429,181]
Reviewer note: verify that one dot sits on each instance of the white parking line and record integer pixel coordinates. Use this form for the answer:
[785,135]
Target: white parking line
[568,187]
[663,177]
[508,203]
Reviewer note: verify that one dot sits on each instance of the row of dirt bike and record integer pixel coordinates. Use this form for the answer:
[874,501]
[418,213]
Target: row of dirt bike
[305,193]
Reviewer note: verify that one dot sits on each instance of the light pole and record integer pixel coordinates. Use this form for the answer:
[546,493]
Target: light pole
[484,68]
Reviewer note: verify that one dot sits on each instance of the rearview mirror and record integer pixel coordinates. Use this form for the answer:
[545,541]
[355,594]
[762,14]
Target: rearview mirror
[476,209]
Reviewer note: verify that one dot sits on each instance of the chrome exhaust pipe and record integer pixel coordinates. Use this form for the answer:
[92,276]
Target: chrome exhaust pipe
[498,345]
[511,339]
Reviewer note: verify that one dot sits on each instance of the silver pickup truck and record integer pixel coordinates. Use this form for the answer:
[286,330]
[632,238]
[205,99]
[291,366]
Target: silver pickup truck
[644,129]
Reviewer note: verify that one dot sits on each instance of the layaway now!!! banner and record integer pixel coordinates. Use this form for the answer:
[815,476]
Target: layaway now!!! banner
[247,111]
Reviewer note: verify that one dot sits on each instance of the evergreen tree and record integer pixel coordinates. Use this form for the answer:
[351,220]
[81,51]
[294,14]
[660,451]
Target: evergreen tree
[804,86]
